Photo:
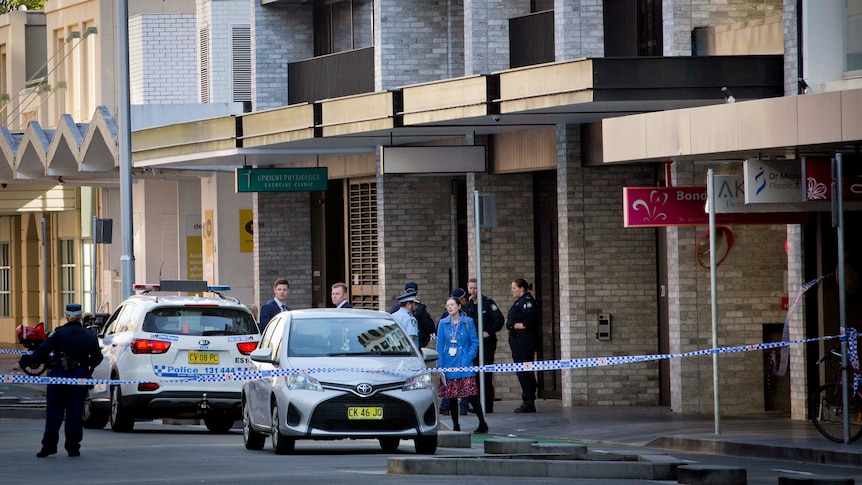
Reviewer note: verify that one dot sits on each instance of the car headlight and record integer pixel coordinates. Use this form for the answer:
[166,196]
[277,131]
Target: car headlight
[419,381]
[302,382]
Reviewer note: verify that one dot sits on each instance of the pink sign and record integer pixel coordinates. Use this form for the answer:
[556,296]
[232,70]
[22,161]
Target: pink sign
[686,206]
[818,175]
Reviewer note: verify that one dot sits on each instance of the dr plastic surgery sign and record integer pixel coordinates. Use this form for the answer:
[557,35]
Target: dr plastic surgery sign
[281,179]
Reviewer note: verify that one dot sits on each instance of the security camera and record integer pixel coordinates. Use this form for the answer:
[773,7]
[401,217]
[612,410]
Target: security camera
[496,118]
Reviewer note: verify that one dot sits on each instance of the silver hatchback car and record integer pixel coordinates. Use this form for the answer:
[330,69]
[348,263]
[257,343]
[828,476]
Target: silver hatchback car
[339,373]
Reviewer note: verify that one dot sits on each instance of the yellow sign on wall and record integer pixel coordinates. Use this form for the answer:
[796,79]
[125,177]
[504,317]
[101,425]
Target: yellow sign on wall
[194,259]
[246,231]
[209,230]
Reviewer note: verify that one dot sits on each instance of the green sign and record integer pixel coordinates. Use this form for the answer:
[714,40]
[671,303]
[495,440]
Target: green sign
[280,179]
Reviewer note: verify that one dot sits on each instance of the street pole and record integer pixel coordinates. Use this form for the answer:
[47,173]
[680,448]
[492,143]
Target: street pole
[93,273]
[480,326]
[124,132]
[838,223]
[48,325]
[710,191]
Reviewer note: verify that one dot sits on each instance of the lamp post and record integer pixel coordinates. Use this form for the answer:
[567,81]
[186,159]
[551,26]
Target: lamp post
[124,135]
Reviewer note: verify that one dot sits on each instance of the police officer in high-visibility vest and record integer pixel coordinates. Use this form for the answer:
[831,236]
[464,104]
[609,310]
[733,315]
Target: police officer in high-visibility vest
[70,351]
[524,324]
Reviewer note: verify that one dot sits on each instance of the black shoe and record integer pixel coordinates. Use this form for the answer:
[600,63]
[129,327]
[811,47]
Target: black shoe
[462,412]
[526,407]
[74,453]
[457,427]
[43,453]
[482,429]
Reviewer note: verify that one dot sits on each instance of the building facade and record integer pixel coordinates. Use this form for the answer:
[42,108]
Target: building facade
[571,101]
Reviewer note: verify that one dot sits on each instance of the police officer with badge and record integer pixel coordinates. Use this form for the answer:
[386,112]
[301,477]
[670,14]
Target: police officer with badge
[70,351]
[524,324]
[492,322]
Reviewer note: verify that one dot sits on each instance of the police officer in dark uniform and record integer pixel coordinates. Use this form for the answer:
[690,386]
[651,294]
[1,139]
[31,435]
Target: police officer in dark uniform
[492,322]
[524,324]
[70,351]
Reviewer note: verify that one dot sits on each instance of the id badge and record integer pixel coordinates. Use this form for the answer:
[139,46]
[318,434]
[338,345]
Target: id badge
[453,351]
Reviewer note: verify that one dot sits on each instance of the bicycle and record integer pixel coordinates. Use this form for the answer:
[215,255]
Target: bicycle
[825,407]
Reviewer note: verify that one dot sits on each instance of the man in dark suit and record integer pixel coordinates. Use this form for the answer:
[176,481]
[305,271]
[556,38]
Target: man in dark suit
[277,304]
[339,296]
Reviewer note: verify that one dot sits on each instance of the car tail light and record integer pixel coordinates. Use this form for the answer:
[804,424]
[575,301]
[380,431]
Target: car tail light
[148,386]
[246,348]
[143,346]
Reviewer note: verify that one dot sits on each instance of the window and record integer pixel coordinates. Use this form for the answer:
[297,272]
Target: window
[5,283]
[67,272]
[342,26]
[205,64]
[241,52]
[853,35]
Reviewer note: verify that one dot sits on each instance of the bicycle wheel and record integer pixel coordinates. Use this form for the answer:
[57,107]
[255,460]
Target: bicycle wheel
[825,410]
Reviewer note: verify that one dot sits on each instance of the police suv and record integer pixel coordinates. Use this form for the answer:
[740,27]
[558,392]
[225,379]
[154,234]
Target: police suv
[177,356]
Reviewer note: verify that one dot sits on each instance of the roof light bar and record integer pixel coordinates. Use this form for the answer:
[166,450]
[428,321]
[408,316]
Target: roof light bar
[180,286]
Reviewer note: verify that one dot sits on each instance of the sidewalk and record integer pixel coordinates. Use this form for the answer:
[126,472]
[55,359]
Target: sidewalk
[768,435]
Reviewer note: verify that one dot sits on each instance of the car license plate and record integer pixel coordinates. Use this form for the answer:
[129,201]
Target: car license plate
[365,413]
[203,357]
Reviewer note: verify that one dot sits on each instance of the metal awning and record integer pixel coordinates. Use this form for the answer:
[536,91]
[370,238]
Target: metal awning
[572,92]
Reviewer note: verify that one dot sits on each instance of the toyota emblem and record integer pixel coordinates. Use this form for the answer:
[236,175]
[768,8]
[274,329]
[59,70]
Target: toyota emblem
[364,389]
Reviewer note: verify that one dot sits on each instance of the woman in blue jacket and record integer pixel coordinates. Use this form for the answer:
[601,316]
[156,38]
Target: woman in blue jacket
[457,344]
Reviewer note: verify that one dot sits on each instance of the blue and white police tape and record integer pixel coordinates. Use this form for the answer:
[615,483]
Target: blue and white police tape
[240,374]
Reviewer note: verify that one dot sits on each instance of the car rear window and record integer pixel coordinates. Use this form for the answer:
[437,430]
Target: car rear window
[199,321]
[318,337]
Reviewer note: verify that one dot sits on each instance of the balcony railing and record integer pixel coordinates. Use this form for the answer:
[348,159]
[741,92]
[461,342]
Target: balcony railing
[331,76]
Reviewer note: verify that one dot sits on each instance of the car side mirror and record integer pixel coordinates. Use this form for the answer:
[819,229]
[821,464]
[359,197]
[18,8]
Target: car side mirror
[262,355]
[429,355]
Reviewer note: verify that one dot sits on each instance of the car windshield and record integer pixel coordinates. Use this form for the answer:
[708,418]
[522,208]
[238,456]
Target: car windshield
[331,337]
[199,321]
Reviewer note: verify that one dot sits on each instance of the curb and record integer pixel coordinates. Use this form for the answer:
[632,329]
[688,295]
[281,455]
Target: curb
[808,455]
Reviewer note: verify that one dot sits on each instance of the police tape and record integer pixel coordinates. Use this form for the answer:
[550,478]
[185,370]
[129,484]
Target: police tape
[238,374]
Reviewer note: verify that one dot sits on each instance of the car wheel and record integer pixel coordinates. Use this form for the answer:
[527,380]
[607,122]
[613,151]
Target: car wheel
[252,439]
[122,419]
[282,445]
[389,444]
[219,423]
[425,445]
[94,418]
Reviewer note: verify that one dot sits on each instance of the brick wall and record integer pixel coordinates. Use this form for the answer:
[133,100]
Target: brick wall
[162,49]
[280,35]
[282,246]
[507,253]
[578,29]
[486,33]
[416,43]
[221,17]
[414,228]
[749,291]
[604,268]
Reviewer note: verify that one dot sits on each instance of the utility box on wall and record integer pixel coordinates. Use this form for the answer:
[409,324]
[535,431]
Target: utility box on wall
[604,331]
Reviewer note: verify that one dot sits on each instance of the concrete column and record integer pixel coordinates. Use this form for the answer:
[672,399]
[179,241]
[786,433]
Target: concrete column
[578,29]
[231,265]
[417,41]
[486,33]
[279,35]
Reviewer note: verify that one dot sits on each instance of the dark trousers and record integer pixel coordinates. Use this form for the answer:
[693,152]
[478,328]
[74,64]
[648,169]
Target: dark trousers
[524,350]
[64,402]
